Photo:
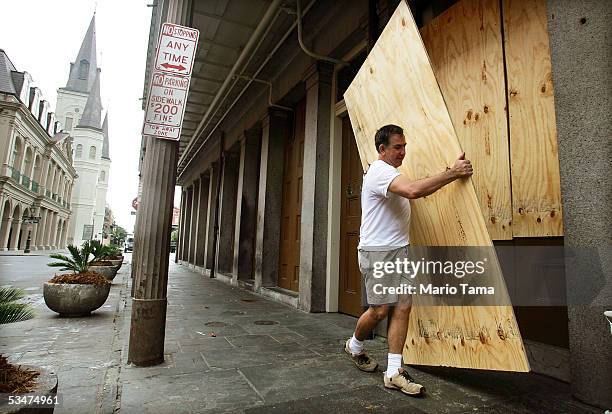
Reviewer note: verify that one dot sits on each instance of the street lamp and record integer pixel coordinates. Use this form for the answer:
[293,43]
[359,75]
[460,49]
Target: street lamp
[29,220]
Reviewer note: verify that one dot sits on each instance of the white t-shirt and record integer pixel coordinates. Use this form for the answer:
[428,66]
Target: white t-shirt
[385,216]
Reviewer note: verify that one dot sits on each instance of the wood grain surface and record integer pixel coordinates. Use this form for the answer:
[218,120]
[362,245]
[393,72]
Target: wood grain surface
[465,47]
[536,188]
[396,84]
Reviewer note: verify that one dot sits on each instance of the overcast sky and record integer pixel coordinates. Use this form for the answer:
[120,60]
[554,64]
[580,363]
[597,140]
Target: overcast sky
[42,37]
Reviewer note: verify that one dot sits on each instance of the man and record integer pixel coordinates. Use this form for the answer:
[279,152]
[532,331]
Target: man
[385,221]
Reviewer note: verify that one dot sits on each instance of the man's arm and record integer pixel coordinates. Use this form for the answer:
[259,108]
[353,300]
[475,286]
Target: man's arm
[416,189]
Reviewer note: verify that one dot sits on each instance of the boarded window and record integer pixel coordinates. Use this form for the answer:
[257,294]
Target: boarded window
[79,151]
[92,152]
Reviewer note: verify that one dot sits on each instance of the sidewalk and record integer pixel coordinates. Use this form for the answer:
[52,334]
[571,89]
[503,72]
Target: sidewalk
[264,357]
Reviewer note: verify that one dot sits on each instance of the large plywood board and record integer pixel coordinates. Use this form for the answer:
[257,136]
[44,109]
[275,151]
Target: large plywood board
[536,187]
[465,47]
[396,84]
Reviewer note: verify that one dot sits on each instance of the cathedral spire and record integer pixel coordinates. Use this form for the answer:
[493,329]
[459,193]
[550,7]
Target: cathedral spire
[105,150]
[93,108]
[84,69]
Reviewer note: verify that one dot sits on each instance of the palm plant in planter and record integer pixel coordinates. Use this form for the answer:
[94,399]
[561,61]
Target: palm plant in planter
[80,292]
[101,263]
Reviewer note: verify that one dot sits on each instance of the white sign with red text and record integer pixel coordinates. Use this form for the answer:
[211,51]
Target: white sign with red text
[176,49]
[166,106]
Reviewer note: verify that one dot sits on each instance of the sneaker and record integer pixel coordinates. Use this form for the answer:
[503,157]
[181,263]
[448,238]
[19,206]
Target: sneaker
[404,382]
[362,360]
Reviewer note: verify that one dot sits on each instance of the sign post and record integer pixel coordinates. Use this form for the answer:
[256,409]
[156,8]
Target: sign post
[171,71]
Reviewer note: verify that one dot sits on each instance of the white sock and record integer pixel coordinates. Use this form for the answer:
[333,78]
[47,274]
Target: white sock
[355,345]
[394,363]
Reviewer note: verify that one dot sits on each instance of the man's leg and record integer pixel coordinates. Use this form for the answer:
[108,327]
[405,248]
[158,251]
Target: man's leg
[369,319]
[396,377]
[354,346]
[398,327]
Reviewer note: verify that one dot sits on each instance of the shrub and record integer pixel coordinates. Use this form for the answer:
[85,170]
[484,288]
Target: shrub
[9,310]
[78,261]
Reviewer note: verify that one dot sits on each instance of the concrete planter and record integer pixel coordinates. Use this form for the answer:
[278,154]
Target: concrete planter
[46,386]
[108,272]
[74,299]
[117,263]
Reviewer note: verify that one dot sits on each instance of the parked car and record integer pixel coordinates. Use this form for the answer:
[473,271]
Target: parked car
[128,245]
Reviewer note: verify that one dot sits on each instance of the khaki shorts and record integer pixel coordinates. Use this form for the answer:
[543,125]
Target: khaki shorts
[381,286]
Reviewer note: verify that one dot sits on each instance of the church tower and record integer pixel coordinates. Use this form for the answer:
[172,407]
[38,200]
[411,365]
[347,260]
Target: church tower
[79,110]
[71,99]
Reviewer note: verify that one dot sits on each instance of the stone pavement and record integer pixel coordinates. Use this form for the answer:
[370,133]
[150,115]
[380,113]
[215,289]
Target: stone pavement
[228,350]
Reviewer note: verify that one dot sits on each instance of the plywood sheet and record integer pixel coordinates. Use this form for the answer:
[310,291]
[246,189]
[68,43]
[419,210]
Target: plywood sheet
[396,84]
[465,47]
[536,188]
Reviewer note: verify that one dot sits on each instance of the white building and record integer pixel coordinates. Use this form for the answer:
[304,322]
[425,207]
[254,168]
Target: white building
[79,109]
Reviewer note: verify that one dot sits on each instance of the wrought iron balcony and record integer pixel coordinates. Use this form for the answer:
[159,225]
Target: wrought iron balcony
[15,174]
[25,181]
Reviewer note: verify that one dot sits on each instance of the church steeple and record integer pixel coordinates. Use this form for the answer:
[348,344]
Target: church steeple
[105,149]
[93,108]
[84,69]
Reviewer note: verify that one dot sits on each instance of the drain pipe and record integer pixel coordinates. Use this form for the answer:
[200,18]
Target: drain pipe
[265,82]
[303,46]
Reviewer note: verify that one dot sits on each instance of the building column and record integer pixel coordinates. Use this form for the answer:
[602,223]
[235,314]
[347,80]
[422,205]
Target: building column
[315,189]
[188,232]
[195,208]
[202,224]
[5,229]
[276,127]
[210,216]
[181,230]
[581,76]
[27,228]
[246,205]
[64,234]
[227,216]
[41,231]
[49,231]
[53,231]
[16,229]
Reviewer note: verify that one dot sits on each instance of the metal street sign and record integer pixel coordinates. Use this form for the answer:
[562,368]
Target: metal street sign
[176,49]
[166,106]
[31,220]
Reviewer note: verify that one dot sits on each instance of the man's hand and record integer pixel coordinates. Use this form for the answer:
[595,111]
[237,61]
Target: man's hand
[462,168]
[426,186]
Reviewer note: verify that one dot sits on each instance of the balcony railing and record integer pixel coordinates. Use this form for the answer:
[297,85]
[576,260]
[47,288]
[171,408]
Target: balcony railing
[47,193]
[15,174]
[25,181]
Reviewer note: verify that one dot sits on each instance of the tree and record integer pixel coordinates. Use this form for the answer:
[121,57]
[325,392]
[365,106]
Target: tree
[118,235]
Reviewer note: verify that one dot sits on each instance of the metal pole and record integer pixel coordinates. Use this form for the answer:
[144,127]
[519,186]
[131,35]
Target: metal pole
[27,246]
